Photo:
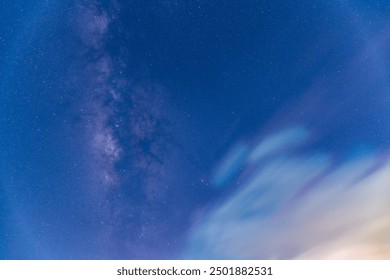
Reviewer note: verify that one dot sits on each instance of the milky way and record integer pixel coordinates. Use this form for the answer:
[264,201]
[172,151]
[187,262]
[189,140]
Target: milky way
[194,129]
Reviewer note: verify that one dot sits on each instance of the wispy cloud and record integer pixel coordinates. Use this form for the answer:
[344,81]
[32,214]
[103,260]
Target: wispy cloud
[300,205]
[310,191]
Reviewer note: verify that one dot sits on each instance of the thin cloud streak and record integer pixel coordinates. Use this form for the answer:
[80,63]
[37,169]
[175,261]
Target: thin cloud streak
[301,205]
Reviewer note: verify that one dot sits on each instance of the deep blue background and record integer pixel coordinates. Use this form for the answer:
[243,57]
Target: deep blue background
[223,70]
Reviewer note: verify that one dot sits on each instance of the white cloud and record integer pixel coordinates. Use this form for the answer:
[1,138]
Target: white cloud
[279,142]
[301,206]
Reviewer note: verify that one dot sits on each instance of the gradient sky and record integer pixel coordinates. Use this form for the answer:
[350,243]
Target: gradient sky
[194,129]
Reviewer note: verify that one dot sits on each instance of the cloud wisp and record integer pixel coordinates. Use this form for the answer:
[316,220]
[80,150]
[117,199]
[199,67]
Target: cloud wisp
[300,205]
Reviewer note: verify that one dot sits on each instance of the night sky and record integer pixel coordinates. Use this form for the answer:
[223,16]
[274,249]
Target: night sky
[236,129]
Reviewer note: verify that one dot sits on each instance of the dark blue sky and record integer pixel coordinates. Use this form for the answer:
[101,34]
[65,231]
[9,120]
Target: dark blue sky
[115,116]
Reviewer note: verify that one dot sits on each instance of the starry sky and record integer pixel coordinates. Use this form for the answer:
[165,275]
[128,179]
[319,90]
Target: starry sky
[198,129]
